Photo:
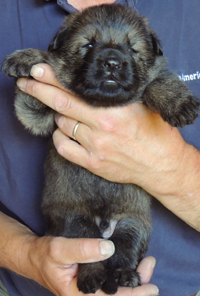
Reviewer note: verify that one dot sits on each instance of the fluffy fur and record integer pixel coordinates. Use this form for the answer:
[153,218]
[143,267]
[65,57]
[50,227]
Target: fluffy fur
[108,56]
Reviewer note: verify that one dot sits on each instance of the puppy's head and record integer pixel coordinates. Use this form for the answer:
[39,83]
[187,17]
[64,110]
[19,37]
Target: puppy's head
[105,54]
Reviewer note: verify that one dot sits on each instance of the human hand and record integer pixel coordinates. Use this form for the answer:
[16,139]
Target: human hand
[127,144]
[122,144]
[55,262]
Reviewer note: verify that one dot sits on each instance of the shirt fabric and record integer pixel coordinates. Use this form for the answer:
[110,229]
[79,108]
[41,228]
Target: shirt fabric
[33,23]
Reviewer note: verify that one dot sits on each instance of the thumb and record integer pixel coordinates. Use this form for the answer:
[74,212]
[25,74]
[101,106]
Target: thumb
[81,250]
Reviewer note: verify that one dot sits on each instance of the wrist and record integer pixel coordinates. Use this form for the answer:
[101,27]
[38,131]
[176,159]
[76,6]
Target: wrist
[24,263]
[178,179]
[162,168]
[14,236]
[181,191]
[37,250]
[17,245]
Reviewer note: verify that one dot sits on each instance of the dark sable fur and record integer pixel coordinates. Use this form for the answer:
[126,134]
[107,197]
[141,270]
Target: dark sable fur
[108,56]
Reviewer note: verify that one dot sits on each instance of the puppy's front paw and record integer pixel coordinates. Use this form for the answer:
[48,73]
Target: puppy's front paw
[19,63]
[183,114]
[91,277]
[124,277]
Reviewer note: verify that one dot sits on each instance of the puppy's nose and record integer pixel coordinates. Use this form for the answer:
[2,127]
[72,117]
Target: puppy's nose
[112,64]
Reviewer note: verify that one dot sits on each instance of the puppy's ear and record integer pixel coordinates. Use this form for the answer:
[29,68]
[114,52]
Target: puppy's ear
[156,44]
[154,39]
[58,39]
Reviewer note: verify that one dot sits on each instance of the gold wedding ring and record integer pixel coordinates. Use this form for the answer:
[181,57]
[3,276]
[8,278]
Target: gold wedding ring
[75,130]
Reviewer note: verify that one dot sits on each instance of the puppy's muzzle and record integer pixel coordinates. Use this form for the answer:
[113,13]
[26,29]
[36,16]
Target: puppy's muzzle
[111,60]
[112,64]
[109,77]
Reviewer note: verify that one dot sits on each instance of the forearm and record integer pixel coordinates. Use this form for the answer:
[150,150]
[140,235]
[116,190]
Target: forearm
[15,243]
[180,191]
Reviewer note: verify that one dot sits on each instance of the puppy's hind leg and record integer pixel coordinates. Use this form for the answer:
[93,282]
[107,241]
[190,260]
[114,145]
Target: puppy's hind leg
[91,276]
[130,238]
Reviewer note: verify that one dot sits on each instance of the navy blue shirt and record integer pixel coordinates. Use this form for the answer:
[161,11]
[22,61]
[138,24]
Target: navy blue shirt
[175,245]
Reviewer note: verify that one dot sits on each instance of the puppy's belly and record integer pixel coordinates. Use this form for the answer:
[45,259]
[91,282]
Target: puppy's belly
[107,227]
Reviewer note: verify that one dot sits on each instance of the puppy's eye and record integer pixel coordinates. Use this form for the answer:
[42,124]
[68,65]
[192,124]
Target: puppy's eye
[131,46]
[88,45]
[134,50]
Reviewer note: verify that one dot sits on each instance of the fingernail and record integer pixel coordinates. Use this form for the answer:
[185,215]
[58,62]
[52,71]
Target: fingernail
[156,293]
[60,120]
[153,263]
[37,71]
[107,248]
[57,118]
[21,83]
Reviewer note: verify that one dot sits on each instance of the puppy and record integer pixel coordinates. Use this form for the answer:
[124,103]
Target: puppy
[108,56]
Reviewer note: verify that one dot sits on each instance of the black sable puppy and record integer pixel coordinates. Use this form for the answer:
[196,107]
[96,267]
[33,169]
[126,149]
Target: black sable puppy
[108,56]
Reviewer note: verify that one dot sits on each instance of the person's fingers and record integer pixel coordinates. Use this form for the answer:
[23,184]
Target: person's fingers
[59,100]
[78,154]
[55,98]
[70,251]
[49,91]
[145,269]
[81,133]
[44,73]
[70,149]
[144,290]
